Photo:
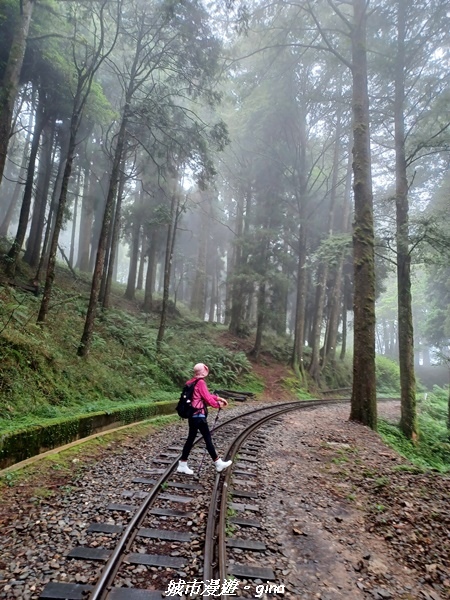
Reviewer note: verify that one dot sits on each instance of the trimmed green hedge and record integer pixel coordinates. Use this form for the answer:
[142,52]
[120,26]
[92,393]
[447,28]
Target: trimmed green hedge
[21,445]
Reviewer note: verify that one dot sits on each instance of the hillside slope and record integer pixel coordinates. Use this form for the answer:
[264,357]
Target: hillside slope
[42,377]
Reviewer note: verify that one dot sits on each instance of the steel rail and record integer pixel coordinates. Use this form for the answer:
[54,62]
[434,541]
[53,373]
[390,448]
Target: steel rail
[114,562]
[215,530]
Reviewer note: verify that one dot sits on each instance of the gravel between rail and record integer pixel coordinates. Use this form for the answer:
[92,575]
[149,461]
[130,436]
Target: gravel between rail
[349,521]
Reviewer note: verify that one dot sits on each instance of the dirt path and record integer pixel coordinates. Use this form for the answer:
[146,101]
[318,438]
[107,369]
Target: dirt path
[354,519]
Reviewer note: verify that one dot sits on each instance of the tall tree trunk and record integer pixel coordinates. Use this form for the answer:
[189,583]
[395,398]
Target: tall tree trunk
[260,320]
[53,206]
[335,298]
[99,203]
[13,254]
[135,246]
[74,220]
[151,271]
[33,251]
[408,421]
[344,322]
[199,287]
[237,300]
[213,297]
[363,400]
[170,243]
[11,77]
[86,338]
[105,294]
[19,185]
[60,210]
[140,275]
[86,218]
[300,306]
[322,278]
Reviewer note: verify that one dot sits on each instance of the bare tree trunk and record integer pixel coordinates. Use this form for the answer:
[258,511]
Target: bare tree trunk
[33,251]
[13,254]
[213,297]
[260,320]
[408,421]
[322,278]
[363,400]
[198,290]
[336,291]
[74,221]
[105,294]
[344,325]
[299,330]
[240,289]
[86,219]
[135,246]
[53,205]
[140,275]
[59,217]
[19,185]
[86,338]
[151,272]
[10,83]
[170,243]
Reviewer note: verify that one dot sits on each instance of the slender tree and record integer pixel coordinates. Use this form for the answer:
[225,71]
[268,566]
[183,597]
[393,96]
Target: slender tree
[363,400]
[11,74]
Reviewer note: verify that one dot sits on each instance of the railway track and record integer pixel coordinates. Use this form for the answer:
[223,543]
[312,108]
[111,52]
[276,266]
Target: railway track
[184,537]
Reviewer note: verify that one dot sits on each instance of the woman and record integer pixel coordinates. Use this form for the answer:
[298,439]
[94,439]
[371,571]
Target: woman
[201,397]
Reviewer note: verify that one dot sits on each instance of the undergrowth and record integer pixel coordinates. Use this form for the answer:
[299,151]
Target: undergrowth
[432,450]
[41,376]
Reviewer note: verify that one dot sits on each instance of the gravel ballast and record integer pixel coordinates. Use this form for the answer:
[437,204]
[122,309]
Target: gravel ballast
[341,516]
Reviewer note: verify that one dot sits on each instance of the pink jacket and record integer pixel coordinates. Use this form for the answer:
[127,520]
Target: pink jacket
[202,396]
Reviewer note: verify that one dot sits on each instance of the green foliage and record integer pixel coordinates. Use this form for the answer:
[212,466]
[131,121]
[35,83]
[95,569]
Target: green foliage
[339,374]
[388,375]
[294,385]
[333,249]
[41,378]
[277,346]
[433,448]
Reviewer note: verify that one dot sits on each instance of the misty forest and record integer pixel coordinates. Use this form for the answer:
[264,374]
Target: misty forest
[280,170]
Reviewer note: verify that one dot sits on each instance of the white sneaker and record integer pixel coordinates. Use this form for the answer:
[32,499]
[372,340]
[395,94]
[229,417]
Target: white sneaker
[221,465]
[183,468]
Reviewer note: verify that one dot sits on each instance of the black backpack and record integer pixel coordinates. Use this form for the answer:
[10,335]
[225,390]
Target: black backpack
[184,406]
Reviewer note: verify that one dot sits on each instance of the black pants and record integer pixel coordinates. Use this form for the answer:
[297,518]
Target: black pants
[198,424]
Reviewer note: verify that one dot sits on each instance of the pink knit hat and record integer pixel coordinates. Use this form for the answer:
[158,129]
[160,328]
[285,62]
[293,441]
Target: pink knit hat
[201,370]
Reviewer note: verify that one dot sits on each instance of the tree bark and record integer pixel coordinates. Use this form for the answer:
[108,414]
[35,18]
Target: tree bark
[33,251]
[335,298]
[60,210]
[199,287]
[408,420]
[86,218]
[4,227]
[235,299]
[105,295]
[300,306]
[363,400]
[13,254]
[86,338]
[11,77]
[170,243]
[315,367]
[54,203]
[130,292]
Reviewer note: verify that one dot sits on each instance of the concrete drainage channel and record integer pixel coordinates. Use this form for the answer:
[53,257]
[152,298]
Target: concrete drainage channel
[171,529]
